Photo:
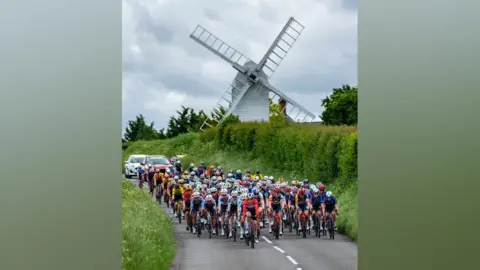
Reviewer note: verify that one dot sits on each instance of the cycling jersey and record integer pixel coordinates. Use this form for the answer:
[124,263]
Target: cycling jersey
[329,203]
[250,206]
[177,191]
[301,200]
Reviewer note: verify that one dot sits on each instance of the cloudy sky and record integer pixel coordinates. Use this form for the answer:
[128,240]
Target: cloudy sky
[163,68]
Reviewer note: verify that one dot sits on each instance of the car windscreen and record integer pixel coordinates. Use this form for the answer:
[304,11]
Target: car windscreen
[158,161]
[136,160]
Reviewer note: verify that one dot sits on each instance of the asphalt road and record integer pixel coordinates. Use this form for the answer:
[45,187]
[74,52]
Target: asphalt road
[287,253]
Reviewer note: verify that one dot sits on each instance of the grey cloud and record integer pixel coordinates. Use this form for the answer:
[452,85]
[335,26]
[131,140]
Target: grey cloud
[212,14]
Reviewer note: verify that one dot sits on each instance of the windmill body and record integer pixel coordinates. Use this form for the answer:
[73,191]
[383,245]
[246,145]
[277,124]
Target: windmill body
[249,93]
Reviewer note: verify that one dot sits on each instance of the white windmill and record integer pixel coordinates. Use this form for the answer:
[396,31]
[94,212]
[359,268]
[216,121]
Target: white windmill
[248,95]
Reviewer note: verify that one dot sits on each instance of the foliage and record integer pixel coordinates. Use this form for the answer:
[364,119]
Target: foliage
[341,106]
[138,129]
[277,117]
[147,234]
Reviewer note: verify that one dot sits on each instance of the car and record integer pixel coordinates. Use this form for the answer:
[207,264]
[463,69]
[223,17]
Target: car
[132,164]
[156,162]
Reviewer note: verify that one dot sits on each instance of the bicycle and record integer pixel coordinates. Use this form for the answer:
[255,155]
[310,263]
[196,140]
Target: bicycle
[209,225]
[225,225]
[189,219]
[331,227]
[303,224]
[178,211]
[290,220]
[198,225]
[276,224]
[316,223]
[234,227]
[250,238]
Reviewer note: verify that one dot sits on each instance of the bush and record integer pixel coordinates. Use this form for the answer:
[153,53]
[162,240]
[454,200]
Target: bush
[147,235]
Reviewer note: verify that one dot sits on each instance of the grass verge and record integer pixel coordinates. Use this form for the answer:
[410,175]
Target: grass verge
[147,235]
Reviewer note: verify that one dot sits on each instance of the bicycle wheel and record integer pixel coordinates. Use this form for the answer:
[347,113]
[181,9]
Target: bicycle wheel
[252,235]
[199,227]
[209,226]
[179,213]
[332,228]
[234,229]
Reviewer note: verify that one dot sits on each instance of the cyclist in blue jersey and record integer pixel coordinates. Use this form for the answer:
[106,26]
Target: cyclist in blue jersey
[233,209]
[222,206]
[330,207]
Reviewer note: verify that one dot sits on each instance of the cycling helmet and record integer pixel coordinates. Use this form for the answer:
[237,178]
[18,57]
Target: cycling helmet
[270,178]
[305,181]
[192,174]
[219,167]
[255,191]
[276,190]
[223,192]
[322,187]
[202,176]
[214,178]
[202,163]
[176,177]
[181,181]
[209,198]
[195,169]
[230,175]
[239,171]
[213,189]
[251,195]
[192,165]
[234,193]
[196,194]
[301,191]
[329,194]
[189,188]
[288,190]
[228,186]
[265,178]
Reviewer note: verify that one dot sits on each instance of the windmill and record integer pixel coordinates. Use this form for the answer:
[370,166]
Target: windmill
[249,93]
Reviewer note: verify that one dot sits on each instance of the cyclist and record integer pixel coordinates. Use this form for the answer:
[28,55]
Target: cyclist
[330,207]
[149,174]
[258,196]
[177,193]
[201,169]
[190,167]
[277,202]
[140,172]
[187,196]
[257,173]
[222,207]
[238,175]
[302,203]
[209,206]
[157,181]
[178,167]
[233,209]
[316,202]
[250,212]
[196,204]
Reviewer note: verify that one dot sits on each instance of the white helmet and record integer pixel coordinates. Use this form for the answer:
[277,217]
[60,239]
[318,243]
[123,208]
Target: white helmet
[239,171]
[265,178]
[213,189]
[230,175]
[257,178]
[196,194]
[176,177]
[192,165]
[214,178]
[329,194]
[234,193]
[270,178]
[209,198]
[223,192]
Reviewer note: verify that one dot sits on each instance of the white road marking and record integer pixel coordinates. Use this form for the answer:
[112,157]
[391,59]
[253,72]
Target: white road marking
[299,268]
[292,260]
[266,239]
[279,249]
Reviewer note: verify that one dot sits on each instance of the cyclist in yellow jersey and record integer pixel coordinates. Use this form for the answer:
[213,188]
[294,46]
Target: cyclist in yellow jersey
[257,173]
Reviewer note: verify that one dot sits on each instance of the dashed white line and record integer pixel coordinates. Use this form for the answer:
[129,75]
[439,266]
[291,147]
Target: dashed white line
[279,249]
[266,239]
[292,260]
[299,268]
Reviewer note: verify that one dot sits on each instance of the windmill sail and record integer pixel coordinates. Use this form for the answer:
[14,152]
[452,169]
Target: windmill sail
[292,110]
[280,47]
[227,103]
[220,48]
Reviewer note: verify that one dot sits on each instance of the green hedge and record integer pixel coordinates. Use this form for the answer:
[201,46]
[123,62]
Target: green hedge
[147,236]
[317,152]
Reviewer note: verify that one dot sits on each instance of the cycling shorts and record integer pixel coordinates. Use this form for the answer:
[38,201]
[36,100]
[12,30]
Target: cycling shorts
[223,209]
[251,209]
[195,207]
[329,208]
[210,209]
[276,207]
[187,205]
[177,198]
[233,210]
[302,207]
[316,207]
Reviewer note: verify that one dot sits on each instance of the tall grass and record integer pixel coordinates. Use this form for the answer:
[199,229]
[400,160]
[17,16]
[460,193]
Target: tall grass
[147,237]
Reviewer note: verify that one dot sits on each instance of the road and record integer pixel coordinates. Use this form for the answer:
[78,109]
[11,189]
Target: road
[287,253]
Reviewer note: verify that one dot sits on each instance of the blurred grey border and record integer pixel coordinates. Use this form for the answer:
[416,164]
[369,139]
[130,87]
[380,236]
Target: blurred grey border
[419,123]
[60,109]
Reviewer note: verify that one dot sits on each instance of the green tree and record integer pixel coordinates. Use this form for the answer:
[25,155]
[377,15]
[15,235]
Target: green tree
[277,118]
[138,129]
[340,108]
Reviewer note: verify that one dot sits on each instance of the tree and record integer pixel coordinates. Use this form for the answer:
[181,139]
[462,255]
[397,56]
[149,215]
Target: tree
[139,130]
[277,116]
[340,108]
